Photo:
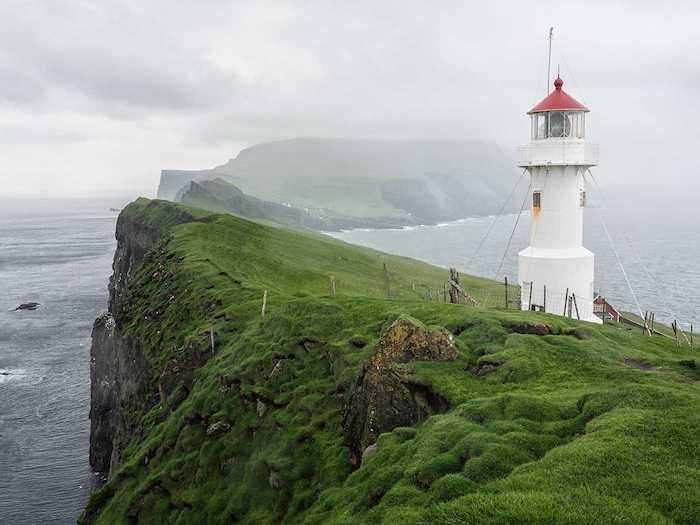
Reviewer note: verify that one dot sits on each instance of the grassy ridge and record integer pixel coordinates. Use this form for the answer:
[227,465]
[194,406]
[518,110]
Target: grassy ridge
[588,424]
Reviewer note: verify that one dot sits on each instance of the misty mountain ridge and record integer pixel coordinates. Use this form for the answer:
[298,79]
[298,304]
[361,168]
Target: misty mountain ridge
[402,182]
[219,195]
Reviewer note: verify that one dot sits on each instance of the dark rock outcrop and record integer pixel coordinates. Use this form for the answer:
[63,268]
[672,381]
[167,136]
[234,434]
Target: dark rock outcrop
[529,328]
[384,396]
[178,371]
[28,306]
[118,387]
[220,427]
[121,384]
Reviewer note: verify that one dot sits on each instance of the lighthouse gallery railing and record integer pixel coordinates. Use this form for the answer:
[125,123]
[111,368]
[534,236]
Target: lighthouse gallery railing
[559,152]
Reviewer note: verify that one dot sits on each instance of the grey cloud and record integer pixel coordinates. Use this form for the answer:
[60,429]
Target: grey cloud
[184,84]
[106,57]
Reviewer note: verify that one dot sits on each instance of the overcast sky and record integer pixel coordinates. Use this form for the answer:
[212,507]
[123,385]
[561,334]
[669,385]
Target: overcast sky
[98,97]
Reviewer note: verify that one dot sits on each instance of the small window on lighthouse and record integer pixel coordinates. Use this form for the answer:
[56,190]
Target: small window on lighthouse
[559,124]
[537,199]
[582,199]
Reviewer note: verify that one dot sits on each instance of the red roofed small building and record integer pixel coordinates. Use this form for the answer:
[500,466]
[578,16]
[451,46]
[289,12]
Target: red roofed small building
[605,310]
[555,271]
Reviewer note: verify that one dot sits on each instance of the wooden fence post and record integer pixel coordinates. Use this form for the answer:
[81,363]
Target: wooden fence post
[544,299]
[211,337]
[674,325]
[387,281]
[332,285]
[529,299]
[264,303]
[573,297]
[691,335]
[566,301]
[506,284]
[454,284]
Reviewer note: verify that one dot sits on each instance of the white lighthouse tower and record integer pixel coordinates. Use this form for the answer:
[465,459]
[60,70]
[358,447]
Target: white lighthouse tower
[555,271]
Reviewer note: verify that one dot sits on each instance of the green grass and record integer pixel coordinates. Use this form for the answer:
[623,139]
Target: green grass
[541,429]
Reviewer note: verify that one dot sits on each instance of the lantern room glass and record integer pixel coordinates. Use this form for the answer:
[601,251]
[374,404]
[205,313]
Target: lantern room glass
[558,124]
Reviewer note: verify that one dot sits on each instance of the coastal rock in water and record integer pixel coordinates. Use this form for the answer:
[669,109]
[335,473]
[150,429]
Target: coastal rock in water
[28,306]
[384,397]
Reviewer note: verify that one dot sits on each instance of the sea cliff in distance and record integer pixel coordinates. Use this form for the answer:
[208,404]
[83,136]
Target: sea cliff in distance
[374,182]
[250,373]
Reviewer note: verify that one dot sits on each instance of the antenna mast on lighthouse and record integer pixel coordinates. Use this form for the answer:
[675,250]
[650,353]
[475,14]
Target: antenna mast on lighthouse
[549,61]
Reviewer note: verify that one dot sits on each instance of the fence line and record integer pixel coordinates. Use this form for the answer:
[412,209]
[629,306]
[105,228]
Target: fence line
[543,299]
[529,297]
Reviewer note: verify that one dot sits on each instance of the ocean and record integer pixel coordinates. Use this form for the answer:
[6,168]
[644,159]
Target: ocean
[59,253]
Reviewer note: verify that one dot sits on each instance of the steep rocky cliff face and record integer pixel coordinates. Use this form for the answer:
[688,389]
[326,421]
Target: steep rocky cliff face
[120,375]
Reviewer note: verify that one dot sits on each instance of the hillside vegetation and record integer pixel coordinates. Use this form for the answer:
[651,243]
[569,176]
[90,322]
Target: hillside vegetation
[399,182]
[219,195]
[520,417]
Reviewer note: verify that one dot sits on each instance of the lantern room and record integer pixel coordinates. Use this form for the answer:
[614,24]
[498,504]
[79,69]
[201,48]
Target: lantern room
[559,115]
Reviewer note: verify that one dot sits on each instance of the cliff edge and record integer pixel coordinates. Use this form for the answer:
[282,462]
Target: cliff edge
[252,374]
[120,382]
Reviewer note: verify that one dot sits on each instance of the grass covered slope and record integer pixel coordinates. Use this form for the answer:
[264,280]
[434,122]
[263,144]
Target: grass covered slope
[548,420]
[220,196]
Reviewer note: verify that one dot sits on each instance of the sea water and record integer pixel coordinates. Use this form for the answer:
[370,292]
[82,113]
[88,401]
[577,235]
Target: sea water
[57,253]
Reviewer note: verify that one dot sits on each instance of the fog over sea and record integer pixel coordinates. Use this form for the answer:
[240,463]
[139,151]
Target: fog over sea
[59,253]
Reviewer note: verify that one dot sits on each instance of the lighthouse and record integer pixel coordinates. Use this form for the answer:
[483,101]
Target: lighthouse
[555,271]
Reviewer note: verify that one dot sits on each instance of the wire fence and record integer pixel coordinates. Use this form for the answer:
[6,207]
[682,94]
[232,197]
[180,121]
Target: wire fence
[540,298]
[483,296]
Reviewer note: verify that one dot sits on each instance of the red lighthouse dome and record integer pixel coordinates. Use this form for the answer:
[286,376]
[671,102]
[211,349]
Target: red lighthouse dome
[558,100]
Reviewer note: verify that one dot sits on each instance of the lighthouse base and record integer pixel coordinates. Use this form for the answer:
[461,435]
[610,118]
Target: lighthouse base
[558,281]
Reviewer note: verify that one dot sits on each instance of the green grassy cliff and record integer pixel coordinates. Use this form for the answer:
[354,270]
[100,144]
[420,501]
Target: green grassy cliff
[482,415]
